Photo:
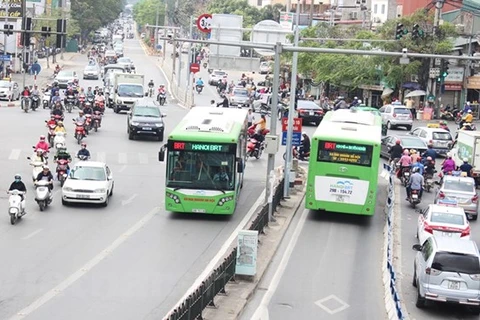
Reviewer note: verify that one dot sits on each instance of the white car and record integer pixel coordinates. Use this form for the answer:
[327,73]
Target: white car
[217,75]
[91,72]
[88,182]
[9,90]
[65,77]
[443,221]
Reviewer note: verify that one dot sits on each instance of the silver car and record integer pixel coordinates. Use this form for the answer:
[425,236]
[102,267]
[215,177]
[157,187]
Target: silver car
[9,90]
[127,63]
[397,115]
[463,191]
[239,97]
[447,270]
[65,77]
[91,72]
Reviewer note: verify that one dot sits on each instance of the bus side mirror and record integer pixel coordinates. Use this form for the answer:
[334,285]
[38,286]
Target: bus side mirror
[240,165]
[161,154]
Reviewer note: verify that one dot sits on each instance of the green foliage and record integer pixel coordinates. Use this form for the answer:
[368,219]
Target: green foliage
[93,14]
[73,28]
[145,12]
[180,12]
[251,15]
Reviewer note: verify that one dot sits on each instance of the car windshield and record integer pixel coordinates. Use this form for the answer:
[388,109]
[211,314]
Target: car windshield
[219,73]
[201,170]
[304,104]
[412,143]
[130,90]
[90,68]
[441,136]
[65,74]
[4,84]
[240,93]
[456,263]
[124,60]
[401,110]
[459,185]
[88,173]
[445,217]
[147,112]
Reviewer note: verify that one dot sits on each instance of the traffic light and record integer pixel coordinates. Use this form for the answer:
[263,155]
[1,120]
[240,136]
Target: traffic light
[46,31]
[415,30]
[400,31]
[443,71]
[8,29]
[61,29]
[26,29]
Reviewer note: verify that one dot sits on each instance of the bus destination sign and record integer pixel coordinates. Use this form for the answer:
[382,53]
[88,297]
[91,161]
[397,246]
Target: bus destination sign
[346,153]
[198,146]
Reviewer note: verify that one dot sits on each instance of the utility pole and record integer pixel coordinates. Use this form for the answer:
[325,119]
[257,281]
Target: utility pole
[5,37]
[468,67]
[165,15]
[156,25]
[311,13]
[63,4]
[191,59]
[436,24]
[291,109]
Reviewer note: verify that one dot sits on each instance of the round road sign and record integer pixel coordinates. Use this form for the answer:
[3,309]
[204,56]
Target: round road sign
[204,22]
[194,67]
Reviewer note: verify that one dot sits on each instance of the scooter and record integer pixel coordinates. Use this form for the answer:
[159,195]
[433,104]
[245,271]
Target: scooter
[51,134]
[414,198]
[428,182]
[296,154]
[97,119]
[43,195]
[25,104]
[46,100]
[199,89]
[59,141]
[162,98]
[79,131]
[37,168]
[35,102]
[405,176]
[70,103]
[88,122]
[62,168]
[16,206]
[255,148]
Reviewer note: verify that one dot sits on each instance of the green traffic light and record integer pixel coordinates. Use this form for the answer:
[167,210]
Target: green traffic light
[444,74]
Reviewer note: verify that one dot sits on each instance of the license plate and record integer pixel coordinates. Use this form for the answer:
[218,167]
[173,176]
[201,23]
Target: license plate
[311,113]
[447,234]
[454,285]
[83,196]
[414,196]
[198,210]
[42,189]
[146,128]
[407,174]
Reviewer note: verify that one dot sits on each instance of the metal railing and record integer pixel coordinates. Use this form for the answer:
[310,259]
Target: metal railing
[204,295]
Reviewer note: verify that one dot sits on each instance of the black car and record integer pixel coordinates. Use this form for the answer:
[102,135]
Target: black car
[310,112]
[407,142]
[145,118]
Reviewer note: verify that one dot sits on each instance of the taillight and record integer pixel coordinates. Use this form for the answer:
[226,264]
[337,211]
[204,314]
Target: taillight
[301,110]
[441,195]
[427,228]
[394,115]
[475,198]
[432,272]
[465,232]
[410,116]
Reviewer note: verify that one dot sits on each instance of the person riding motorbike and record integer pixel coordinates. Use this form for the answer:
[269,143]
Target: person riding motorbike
[151,84]
[161,89]
[396,151]
[418,164]
[448,165]
[62,154]
[47,176]
[60,127]
[88,108]
[43,145]
[18,184]
[415,182]
[89,93]
[404,163]
[57,110]
[38,156]
[262,123]
[57,69]
[56,98]
[225,103]
[467,118]
[35,91]
[199,82]
[430,152]
[304,149]
[429,166]
[83,152]
[414,155]
[81,117]
[100,98]
[444,125]
[52,121]
[69,92]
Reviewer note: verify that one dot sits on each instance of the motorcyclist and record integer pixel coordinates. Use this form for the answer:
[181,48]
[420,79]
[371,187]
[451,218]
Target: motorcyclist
[57,69]
[42,145]
[88,108]
[304,147]
[62,154]
[430,153]
[429,166]
[18,184]
[60,128]
[81,117]
[418,164]
[35,91]
[58,110]
[415,182]
[258,136]
[70,92]
[89,93]
[396,151]
[38,156]
[161,89]
[56,98]
[83,152]
[199,82]
[224,103]
[340,103]
[448,165]
[100,99]
[95,91]
[444,125]
[414,154]
[47,176]
[467,118]
[262,123]
[404,163]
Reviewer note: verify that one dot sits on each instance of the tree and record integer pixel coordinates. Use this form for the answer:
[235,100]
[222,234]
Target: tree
[73,29]
[93,14]
[145,12]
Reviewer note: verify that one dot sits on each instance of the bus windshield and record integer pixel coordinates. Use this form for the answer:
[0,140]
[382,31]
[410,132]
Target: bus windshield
[201,170]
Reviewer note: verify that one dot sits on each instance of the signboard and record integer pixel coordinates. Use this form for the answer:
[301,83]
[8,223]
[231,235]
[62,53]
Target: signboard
[204,23]
[286,20]
[194,67]
[455,75]
[15,8]
[5,57]
[453,87]
[247,243]
[348,153]
[473,82]
[36,68]
[297,131]
[200,146]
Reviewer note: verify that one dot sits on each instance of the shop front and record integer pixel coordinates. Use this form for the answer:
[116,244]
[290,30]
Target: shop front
[452,88]
[473,93]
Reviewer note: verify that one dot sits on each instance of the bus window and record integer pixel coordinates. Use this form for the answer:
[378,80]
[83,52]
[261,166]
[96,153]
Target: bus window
[339,152]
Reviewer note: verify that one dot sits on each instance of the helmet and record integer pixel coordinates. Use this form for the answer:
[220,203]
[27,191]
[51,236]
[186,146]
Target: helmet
[397,142]
[469,111]
[415,169]
[355,98]
[429,158]
[84,144]
[18,177]
[413,151]
[304,133]
[42,137]
[88,104]
[46,168]
[465,160]
[80,112]
[405,152]
[60,123]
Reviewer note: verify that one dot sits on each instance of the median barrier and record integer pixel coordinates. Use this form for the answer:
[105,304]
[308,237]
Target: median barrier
[392,296]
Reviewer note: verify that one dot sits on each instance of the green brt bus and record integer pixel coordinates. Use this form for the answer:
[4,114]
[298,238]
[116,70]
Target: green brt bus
[343,165]
[205,156]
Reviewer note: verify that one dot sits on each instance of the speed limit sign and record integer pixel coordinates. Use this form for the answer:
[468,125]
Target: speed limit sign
[204,22]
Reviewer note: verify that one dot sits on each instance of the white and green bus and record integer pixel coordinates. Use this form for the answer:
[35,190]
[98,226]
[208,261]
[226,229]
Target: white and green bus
[344,162]
[205,156]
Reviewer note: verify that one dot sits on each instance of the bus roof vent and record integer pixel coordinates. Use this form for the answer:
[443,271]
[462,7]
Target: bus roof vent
[353,117]
[209,125]
[349,128]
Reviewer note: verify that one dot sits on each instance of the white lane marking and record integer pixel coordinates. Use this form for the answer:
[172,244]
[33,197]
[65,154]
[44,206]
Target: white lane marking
[122,158]
[14,154]
[262,311]
[342,304]
[86,268]
[122,168]
[33,234]
[101,157]
[143,158]
[129,200]
[226,245]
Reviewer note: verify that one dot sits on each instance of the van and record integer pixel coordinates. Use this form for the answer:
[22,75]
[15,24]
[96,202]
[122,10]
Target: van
[447,270]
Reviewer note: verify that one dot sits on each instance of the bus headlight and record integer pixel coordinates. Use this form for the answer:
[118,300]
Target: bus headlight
[174,197]
[222,201]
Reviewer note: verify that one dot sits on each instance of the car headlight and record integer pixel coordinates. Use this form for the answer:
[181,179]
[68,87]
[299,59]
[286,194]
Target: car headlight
[133,123]
[100,190]
[159,125]
[119,101]
[67,189]
[173,197]
[12,210]
[223,200]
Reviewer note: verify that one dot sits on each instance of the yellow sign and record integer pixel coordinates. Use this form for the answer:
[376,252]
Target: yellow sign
[473,82]
[433,125]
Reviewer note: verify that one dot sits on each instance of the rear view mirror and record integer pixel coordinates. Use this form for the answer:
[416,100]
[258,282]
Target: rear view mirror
[240,165]
[146,94]
[164,115]
[417,247]
[161,154]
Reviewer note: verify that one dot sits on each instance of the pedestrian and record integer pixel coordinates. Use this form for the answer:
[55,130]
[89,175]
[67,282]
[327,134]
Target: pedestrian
[410,105]
[250,118]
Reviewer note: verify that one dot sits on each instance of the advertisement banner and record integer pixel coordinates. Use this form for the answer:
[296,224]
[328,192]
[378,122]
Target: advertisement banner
[247,243]
[13,7]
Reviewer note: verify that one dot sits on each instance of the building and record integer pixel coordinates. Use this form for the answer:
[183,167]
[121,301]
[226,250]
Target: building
[383,10]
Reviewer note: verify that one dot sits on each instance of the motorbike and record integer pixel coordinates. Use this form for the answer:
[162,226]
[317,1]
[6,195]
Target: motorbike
[51,134]
[58,118]
[70,103]
[79,131]
[458,117]
[199,89]
[81,101]
[59,141]
[35,102]
[428,182]
[97,119]
[91,100]
[296,154]
[42,194]
[255,148]
[100,104]
[251,131]
[88,122]
[46,100]
[62,168]
[162,98]
[82,157]
[37,167]
[414,198]
[16,207]
[25,104]
[405,175]
[150,92]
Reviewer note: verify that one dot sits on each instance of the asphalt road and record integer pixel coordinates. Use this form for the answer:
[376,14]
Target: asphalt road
[131,260]
[408,226]
[333,272]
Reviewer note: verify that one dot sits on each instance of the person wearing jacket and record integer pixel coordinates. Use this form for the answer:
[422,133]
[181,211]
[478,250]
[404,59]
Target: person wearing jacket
[42,145]
[224,103]
[448,165]
[18,184]
[396,151]
[47,176]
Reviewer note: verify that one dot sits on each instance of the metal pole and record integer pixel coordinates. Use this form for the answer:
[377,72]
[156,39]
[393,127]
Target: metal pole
[5,37]
[273,122]
[291,110]
[63,3]
[311,13]
[436,24]
[179,74]
[469,64]
[156,25]
[174,54]
[190,54]
[165,34]
[25,72]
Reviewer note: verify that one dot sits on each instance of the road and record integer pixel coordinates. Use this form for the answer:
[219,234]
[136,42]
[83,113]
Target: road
[408,224]
[131,260]
[333,272]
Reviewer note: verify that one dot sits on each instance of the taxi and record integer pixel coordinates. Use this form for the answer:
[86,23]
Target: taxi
[443,220]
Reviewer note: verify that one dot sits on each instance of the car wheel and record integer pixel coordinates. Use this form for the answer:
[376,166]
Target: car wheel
[111,191]
[389,125]
[160,137]
[65,203]
[409,128]
[105,204]
[414,281]
[474,217]
[420,303]
[131,136]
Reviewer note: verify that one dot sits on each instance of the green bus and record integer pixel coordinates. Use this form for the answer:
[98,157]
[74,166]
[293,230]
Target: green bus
[205,160]
[344,161]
